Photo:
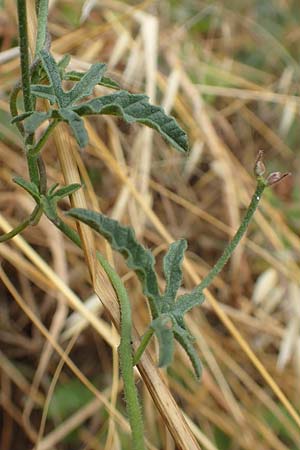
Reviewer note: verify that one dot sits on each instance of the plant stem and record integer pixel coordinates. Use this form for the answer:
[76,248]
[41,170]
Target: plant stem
[31,220]
[25,76]
[126,359]
[125,350]
[24,55]
[143,344]
[38,146]
[261,184]
[42,16]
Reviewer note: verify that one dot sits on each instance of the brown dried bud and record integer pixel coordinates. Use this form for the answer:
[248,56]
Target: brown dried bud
[276,177]
[259,168]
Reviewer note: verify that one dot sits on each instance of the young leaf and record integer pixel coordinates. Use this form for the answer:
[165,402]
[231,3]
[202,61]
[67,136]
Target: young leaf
[63,64]
[51,68]
[136,108]
[123,240]
[21,117]
[73,75]
[186,302]
[44,91]
[77,125]
[29,187]
[65,191]
[86,84]
[35,120]
[184,338]
[172,270]
[162,327]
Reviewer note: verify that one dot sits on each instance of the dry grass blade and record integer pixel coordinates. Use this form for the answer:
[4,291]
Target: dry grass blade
[231,79]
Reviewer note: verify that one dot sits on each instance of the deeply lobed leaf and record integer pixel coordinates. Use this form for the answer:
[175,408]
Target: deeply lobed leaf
[162,327]
[136,108]
[123,240]
[173,273]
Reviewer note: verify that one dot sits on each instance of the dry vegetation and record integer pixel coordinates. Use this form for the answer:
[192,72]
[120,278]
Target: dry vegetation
[230,78]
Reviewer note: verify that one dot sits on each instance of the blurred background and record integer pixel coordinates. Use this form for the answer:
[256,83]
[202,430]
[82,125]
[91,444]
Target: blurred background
[229,72]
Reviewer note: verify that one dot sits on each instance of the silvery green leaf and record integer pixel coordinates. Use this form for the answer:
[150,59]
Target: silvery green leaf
[162,327]
[63,64]
[77,125]
[65,191]
[172,269]
[136,108]
[87,82]
[73,75]
[21,117]
[184,338]
[186,302]
[30,187]
[35,120]
[54,77]
[123,240]
[44,91]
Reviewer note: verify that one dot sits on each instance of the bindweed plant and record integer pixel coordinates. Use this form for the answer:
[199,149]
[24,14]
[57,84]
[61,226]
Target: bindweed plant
[44,78]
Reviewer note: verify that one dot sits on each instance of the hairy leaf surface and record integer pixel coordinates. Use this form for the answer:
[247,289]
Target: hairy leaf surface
[123,240]
[172,270]
[136,108]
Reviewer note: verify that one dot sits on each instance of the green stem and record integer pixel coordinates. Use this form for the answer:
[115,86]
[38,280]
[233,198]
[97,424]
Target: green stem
[31,220]
[143,344]
[13,106]
[38,146]
[125,350]
[25,77]
[24,55]
[42,17]
[126,359]
[43,175]
[261,184]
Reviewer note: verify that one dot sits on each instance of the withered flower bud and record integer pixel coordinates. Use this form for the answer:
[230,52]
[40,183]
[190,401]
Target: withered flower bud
[259,167]
[276,177]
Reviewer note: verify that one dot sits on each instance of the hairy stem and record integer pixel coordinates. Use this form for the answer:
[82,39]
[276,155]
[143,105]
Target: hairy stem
[261,184]
[125,350]
[40,144]
[31,220]
[42,16]
[24,55]
[25,77]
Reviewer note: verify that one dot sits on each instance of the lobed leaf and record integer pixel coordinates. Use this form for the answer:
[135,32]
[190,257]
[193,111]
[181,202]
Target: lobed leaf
[184,338]
[172,269]
[65,191]
[73,75]
[29,187]
[21,117]
[54,77]
[87,82]
[136,108]
[44,91]
[35,120]
[63,64]
[162,327]
[186,302]
[77,125]
[123,240]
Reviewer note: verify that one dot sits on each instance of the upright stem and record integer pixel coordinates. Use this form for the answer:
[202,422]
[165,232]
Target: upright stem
[42,16]
[24,54]
[25,76]
[125,351]
[261,184]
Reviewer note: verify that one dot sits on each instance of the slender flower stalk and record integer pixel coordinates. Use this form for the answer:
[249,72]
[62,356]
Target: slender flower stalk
[261,185]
